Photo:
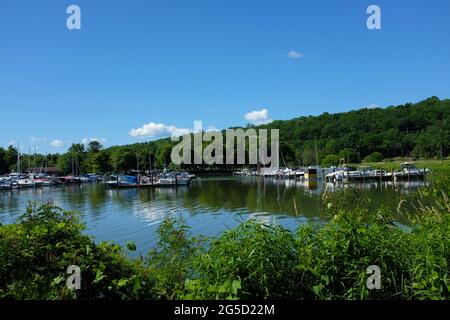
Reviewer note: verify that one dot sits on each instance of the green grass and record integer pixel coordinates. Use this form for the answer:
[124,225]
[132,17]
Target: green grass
[435,165]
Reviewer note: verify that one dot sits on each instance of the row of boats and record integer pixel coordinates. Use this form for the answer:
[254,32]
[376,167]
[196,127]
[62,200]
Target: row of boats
[31,180]
[171,179]
[407,171]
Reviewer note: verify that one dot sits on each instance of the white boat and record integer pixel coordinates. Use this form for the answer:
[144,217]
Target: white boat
[288,173]
[166,181]
[410,171]
[336,175]
[43,182]
[26,183]
[123,181]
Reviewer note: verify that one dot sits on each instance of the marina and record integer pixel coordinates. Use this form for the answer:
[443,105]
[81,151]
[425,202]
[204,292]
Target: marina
[15,181]
[407,171]
[156,179]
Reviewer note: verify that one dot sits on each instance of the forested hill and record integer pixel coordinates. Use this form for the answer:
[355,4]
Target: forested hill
[420,130]
[411,130]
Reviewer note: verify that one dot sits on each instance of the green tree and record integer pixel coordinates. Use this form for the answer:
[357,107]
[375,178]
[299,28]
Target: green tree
[164,156]
[94,147]
[11,158]
[374,157]
[350,155]
[124,161]
[4,166]
[100,162]
[330,160]
[95,160]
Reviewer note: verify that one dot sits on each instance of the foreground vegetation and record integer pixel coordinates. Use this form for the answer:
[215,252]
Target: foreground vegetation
[252,261]
[415,131]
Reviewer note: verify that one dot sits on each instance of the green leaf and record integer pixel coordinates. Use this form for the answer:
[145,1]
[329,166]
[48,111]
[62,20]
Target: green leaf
[131,246]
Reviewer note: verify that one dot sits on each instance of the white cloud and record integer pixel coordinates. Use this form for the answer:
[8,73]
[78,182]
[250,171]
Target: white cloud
[100,140]
[57,143]
[153,130]
[212,129]
[294,54]
[371,106]
[258,117]
[12,143]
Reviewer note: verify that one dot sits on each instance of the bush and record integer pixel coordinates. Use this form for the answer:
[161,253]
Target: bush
[374,157]
[330,160]
[349,155]
[36,251]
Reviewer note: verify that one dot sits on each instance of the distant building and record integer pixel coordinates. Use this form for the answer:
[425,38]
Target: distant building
[51,171]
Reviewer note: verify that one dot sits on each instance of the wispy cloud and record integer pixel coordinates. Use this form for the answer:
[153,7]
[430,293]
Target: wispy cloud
[294,54]
[57,143]
[155,130]
[258,117]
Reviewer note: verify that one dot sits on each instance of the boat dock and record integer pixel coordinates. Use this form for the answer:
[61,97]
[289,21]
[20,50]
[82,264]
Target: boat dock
[408,171]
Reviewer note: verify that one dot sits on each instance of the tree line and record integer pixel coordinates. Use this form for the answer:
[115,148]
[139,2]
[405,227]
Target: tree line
[418,131]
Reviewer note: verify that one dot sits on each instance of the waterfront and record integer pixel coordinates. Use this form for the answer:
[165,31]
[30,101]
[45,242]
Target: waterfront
[210,205]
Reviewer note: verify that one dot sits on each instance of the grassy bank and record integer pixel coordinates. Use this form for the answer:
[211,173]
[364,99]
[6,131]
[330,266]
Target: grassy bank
[434,165]
[252,261]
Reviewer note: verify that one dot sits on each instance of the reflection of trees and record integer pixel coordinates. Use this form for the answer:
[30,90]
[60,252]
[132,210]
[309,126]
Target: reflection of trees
[97,197]
[125,197]
[253,195]
[206,195]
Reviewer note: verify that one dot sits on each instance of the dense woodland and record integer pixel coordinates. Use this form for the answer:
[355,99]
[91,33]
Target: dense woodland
[420,130]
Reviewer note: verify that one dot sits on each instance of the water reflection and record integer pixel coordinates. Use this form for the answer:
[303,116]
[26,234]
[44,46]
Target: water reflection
[210,205]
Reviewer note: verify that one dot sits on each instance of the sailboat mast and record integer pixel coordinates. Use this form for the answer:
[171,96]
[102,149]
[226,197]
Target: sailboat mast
[35,152]
[29,158]
[137,162]
[317,153]
[150,161]
[73,169]
[18,158]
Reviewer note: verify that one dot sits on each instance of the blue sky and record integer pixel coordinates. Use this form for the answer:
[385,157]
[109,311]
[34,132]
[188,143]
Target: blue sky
[172,62]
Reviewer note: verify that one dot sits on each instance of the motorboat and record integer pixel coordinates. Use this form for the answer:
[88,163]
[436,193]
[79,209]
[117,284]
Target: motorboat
[123,181]
[408,170]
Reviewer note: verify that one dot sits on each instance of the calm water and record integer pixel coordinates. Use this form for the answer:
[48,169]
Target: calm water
[210,205]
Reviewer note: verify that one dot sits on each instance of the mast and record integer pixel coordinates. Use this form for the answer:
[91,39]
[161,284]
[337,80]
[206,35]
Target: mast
[73,164]
[29,158]
[317,153]
[150,165]
[137,162]
[18,158]
[35,152]
[150,161]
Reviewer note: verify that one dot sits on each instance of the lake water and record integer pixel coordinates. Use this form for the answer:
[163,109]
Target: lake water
[210,205]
